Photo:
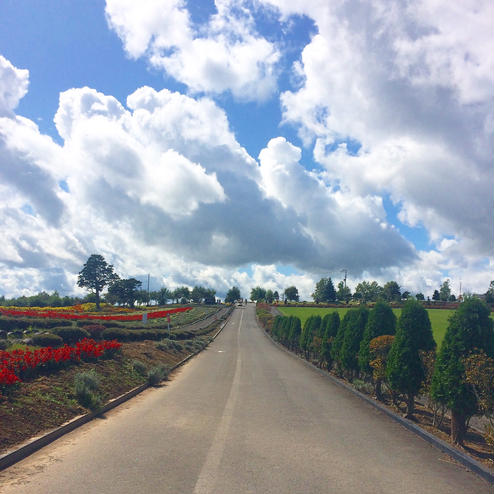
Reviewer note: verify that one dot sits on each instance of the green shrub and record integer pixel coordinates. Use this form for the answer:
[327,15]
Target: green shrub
[3,344]
[167,344]
[13,323]
[95,330]
[86,386]
[46,339]
[381,321]
[404,369]
[470,330]
[116,334]
[71,334]
[3,334]
[139,367]
[363,387]
[157,374]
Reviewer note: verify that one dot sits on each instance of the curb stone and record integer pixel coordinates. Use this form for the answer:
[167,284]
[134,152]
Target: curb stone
[15,455]
[465,460]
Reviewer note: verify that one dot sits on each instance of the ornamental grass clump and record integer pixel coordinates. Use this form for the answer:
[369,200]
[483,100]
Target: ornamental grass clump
[157,374]
[86,387]
[139,367]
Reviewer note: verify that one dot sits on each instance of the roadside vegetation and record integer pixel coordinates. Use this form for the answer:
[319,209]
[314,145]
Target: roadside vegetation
[45,380]
[438,317]
[394,356]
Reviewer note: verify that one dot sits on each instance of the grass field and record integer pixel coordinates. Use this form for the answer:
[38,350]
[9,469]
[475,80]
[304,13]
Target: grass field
[439,317]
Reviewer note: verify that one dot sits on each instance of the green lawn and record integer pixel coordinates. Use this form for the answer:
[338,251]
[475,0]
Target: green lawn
[439,317]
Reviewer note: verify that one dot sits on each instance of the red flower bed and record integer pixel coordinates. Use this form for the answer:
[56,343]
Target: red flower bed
[18,364]
[69,315]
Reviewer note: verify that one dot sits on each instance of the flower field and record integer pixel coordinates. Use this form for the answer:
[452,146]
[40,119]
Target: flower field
[57,313]
[18,364]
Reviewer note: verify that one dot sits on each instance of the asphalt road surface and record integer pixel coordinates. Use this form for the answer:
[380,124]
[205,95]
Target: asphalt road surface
[242,417]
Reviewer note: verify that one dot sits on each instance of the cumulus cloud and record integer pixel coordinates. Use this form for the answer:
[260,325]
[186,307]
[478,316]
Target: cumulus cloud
[412,85]
[13,86]
[392,101]
[225,55]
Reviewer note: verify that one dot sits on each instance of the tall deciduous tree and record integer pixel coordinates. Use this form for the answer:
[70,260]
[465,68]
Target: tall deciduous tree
[95,275]
[469,329]
[232,295]
[269,296]
[405,371]
[343,294]
[391,292]
[163,296]
[445,291]
[258,293]
[368,292]
[125,292]
[291,293]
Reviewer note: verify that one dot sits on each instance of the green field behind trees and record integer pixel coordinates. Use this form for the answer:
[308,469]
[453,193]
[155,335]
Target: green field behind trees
[438,317]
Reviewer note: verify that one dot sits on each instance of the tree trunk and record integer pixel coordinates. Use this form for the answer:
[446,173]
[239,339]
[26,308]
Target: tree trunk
[97,300]
[410,405]
[379,394]
[458,427]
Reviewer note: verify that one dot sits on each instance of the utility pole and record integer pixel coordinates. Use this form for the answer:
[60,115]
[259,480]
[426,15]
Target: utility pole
[148,290]
[344,271]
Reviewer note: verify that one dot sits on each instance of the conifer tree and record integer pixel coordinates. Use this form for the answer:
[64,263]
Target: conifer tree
[331,323]
[405,371]
[295,331]
[381,321]
[352,337]
[338,340]
[469,328]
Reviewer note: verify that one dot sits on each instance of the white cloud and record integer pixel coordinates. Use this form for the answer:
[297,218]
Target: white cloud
[224,55]
[160,184]
[413,84]
[13,86]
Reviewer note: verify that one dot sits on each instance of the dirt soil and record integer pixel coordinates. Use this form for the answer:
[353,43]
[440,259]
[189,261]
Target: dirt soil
[47,401]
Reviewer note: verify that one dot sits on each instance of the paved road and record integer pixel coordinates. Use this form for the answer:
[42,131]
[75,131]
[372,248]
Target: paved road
[242,417]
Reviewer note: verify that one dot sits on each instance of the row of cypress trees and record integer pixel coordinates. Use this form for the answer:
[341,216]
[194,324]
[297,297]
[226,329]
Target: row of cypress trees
[377,346]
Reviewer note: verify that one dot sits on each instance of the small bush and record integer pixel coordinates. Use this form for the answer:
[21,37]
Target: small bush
[46,339]
[71,334]
[86,386]
[139,367]
[3,334]
[363,387]
[95,330]
[167,344]
[3,344]
[116,334]
[157,374]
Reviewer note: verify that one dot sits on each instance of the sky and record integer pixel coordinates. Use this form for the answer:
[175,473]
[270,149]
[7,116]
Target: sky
[257,142]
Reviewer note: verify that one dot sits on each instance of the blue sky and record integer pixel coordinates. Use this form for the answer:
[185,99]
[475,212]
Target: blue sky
[284,141]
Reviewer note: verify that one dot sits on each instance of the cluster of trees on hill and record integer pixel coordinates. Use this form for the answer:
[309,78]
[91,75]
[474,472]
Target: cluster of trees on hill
[365,291]
[42,299]
[96,274]
[258,294]
[374,345]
